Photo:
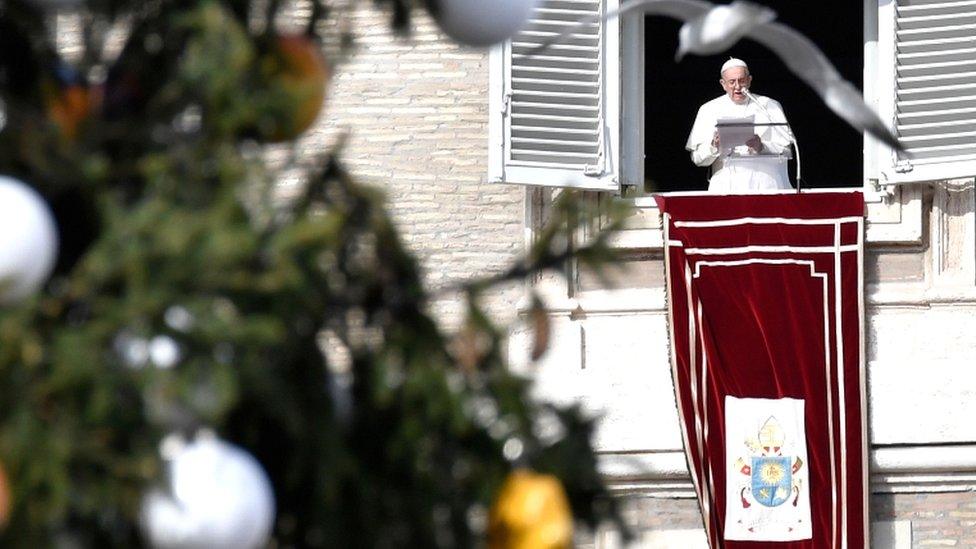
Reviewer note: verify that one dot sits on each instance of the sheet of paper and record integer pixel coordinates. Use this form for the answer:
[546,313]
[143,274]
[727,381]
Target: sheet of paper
[734,132]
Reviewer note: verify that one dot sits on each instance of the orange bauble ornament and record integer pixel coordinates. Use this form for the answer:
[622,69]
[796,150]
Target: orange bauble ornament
[4,498]
[297,75]
[68,108]
[530,512]
[68,100]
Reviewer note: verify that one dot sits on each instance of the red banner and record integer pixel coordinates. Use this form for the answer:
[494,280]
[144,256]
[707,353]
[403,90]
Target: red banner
[765,297]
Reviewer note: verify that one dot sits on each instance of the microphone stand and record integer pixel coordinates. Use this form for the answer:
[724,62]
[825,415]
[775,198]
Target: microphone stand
[790,136]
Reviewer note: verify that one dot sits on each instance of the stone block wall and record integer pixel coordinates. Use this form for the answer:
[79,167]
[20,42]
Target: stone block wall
[937,520]
[899,521]
[415,112]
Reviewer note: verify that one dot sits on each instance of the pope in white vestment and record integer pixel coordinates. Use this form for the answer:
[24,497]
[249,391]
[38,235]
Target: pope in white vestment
[740,175]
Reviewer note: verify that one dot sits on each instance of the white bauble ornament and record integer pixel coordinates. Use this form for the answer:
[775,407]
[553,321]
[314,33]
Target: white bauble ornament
[218,497]
[483,22]
[133,350]
[164,352]
[28,240]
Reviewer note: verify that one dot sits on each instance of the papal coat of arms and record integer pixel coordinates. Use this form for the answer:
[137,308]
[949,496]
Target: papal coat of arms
[767,497]
[770,472]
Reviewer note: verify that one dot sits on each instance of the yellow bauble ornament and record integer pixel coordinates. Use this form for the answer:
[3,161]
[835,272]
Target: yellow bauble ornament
[530,512]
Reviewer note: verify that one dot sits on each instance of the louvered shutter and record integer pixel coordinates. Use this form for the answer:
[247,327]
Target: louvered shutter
[933,108]
[555,115]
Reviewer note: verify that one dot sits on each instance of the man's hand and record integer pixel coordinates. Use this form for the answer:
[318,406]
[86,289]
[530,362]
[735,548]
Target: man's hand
[715,142]
[755,144]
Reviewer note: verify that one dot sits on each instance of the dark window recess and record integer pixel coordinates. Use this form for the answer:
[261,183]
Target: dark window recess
[832,151]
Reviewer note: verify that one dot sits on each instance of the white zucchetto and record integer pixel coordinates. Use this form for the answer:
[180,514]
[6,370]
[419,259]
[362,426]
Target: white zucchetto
[732,63]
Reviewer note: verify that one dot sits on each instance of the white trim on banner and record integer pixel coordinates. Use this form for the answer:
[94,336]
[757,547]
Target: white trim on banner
[693,469]
[842,402]
[764,221]
[696,331]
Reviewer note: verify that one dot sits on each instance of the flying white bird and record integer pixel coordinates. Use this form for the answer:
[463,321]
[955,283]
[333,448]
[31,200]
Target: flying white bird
[711,28]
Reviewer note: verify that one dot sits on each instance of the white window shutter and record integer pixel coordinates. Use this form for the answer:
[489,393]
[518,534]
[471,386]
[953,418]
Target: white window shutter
[555,116]
[930,49]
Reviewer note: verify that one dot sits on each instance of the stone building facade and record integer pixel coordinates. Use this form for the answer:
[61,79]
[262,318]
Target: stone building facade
[417,113]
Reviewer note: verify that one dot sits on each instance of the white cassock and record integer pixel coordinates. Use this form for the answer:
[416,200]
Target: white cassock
[729,175]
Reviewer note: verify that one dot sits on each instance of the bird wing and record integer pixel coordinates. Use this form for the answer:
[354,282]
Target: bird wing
[806,60]
[798,52]
[678,9]
[846,100]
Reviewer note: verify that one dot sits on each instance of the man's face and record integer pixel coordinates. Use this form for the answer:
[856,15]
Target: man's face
[733,80]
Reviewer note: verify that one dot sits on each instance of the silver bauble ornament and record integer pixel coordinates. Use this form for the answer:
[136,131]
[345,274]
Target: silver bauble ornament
[28,240]
[483,22]
[218,497]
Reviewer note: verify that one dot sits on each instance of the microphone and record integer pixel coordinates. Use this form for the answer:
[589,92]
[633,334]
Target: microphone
[789,134]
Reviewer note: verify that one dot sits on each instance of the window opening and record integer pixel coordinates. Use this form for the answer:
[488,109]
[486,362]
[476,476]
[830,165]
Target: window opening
[832,151]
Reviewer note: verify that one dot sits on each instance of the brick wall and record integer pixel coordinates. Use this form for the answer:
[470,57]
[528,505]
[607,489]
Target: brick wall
[416,112]
[936,520]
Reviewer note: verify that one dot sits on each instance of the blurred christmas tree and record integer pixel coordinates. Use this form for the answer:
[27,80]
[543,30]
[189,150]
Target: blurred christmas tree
[188,307]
